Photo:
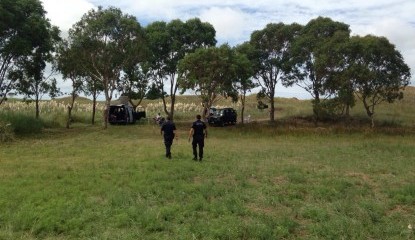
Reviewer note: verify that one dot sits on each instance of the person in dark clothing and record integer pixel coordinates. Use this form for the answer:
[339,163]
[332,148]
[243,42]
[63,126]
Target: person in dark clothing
[168,129]
[199,132]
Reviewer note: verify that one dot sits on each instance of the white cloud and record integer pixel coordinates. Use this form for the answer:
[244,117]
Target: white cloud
[230,24]
[64,13]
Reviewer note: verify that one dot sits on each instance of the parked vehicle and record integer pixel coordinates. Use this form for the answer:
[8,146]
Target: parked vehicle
[123,114]
[222,116]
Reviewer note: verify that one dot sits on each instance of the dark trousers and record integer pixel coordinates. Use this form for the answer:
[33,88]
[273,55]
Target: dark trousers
[198,141]
[168,141]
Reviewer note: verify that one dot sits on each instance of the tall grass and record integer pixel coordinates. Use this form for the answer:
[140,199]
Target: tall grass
[21,123]
[53,114]
[6,131]
[291,111]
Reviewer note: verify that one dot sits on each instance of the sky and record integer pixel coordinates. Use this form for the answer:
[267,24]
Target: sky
[235,20]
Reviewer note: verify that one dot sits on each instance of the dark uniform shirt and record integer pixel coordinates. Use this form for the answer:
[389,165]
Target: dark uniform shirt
[198,128]
[168,129]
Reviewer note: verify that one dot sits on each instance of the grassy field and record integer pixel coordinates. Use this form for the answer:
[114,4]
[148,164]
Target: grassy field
[257,182]
[288,180]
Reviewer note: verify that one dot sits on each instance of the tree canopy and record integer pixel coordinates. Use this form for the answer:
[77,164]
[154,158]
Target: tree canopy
[273,46]
[24,30]
[111,40]
[377,71]
[210,72]
[169,43]
[313,59]
[109,51]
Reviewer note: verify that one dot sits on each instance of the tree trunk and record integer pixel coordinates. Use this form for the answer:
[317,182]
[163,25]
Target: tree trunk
[242,108]
[369,112]
[70,107]
[347,114]
[173,100]
[37,108]
[2,99]
[316,107]
[68,121]
[272,110]
[205,112]
[106,112]
[165,106]
[94,106]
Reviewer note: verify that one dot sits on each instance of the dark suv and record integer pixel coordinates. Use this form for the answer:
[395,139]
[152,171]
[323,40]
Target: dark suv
[222,116]
[123,114]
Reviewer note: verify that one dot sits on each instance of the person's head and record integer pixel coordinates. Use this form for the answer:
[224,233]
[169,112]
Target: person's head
[168,118]
[198,117]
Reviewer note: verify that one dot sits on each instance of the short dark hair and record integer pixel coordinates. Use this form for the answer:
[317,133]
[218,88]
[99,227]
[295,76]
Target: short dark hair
[168,118]
[198,116]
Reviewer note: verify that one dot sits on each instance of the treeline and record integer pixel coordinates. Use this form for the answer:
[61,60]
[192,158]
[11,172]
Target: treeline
[108,51]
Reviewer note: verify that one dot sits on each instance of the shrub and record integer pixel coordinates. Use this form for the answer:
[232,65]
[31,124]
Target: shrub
[22,124]
[6,132]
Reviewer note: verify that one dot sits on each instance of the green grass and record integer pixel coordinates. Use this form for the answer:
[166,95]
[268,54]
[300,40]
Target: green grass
[21,123]
[257,182]
[288,180]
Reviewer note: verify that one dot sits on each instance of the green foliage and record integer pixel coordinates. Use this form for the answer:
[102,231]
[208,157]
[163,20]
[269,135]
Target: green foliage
[314,58]
[6,131]
[169,44]
[211,72]
[32,81]
[378,71]
[22,124]
[24,30]
[329,109]
[105,49]
[154,93]
[271,55]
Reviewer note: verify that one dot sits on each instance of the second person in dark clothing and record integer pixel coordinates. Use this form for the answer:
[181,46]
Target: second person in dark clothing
[169,130]
[198,131]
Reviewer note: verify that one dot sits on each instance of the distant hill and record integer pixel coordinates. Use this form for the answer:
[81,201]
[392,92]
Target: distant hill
[67,99]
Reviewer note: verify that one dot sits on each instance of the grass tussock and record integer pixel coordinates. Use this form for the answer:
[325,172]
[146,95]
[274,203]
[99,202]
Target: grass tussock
[6,132]
[21,124]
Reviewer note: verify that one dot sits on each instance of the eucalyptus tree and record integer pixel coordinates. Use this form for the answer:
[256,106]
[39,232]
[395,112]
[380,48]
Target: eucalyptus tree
[377,71]
[111,40]
[339,86]
[134,83]
[169,43]
[33,81]
[23,29]
[93,88]
[273,46]
[210,73]
[66,62]
[244,76]
[313,61]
